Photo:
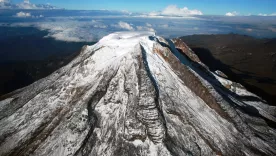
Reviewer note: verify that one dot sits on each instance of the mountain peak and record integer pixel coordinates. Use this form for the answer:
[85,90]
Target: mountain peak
[135,93]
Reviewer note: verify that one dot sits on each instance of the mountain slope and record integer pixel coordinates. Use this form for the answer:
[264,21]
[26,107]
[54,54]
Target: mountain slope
[135,94]
[247,60]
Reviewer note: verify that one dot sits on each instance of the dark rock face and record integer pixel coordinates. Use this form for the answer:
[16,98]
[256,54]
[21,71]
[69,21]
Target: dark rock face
[135,94]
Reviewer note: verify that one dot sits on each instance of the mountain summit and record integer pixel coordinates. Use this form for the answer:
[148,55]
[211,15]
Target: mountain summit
[134,93]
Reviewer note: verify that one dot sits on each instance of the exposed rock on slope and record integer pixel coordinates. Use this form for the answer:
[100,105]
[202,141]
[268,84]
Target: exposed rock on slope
[135,94]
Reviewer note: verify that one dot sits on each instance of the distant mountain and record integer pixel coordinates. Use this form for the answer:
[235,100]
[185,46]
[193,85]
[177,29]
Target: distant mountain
[247,60]
[134,93]
[6,4]
[26,4]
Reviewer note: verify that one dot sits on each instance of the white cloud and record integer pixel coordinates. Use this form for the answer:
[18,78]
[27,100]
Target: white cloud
[141,28]
[164,26]
[150,29]
[70,31]
[148,25]
[273,14]
[124,25]
[173,10]
[98,24]
[23,14]
[27,5]
[65,36]
[234,13]
[154,13]
[126,12]
[260,14]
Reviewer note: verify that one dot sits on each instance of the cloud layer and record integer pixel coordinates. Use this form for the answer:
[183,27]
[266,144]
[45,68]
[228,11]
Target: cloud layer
[79,30]
[79,26]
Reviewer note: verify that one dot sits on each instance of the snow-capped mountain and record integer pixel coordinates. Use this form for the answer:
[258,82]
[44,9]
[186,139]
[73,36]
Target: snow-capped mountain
[26,4]
[6,4]
[134,93]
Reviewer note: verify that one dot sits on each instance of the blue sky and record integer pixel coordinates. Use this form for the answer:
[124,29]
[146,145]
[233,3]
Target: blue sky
[207,7]
[167,19]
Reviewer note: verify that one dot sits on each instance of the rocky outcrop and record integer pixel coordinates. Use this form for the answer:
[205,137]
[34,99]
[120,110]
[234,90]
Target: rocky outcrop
[183,48]
[135,94]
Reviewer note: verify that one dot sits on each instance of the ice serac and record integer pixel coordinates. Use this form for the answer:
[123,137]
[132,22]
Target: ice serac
[134,93]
